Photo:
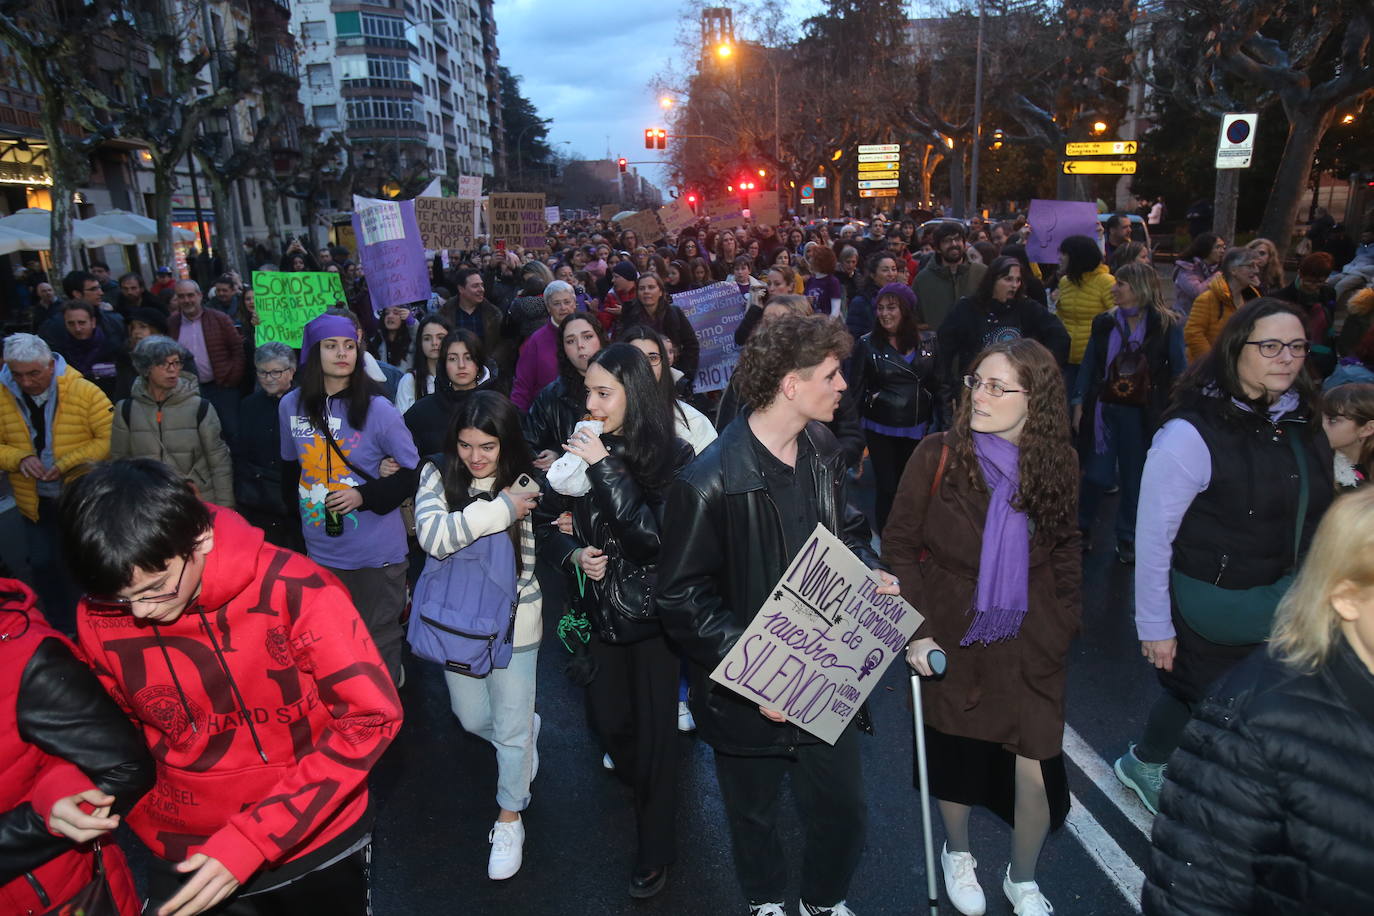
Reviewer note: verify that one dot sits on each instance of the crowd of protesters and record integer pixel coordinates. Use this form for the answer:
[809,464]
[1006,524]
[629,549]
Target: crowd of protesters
[218,527]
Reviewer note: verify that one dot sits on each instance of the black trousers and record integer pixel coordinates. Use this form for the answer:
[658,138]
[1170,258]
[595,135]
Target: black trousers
[339,890]
[828,785]
[379,594]
[889,455]
[632,703]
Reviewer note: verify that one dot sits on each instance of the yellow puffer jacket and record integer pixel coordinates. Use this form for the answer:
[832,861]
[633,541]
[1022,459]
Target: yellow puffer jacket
[80,433]
[1210,311]
[1079,303]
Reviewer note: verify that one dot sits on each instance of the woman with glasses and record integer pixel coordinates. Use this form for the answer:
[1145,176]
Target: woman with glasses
[1236,283]
[984,538]
[165,418]
[1234,485]
[256,451]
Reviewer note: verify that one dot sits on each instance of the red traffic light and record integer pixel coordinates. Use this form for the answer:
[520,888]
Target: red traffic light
[622,163]
[649,135]
[691,198]
[660,139]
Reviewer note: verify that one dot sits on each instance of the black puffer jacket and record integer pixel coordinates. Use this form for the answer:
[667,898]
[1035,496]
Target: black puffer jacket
[256,453]
[723,552]
[429,418]
[1269,803]
[617,507]
[889,390]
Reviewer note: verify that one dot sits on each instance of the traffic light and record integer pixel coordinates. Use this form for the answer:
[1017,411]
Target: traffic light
[648,138]
[660,138]
[692,199]
[622,163]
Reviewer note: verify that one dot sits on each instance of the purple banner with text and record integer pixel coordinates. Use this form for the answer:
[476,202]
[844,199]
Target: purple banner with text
[392,255]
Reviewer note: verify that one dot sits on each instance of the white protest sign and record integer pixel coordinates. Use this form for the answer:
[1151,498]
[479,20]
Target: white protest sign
[552,215]
[822,640]
[470,186]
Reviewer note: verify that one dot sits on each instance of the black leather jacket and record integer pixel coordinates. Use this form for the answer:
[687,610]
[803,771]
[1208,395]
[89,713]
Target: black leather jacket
[889,390]
[723,551]
[63,710]
[554,413]
[618,507]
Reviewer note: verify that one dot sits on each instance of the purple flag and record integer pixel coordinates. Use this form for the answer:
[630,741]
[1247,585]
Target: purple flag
[389,248]
[1052,221]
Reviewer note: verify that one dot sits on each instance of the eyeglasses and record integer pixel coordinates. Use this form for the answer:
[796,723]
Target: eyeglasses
[272,374]
[1271,348]
[111,605]
[994,388]
[173,363]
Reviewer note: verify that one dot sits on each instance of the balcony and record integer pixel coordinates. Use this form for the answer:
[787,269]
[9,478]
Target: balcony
[367,41]
[387,129]
[399,88]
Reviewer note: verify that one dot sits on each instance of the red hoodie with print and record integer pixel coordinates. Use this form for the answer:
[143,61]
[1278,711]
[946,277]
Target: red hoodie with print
[265,706]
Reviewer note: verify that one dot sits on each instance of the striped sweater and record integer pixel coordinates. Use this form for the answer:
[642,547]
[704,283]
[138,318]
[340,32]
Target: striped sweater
[443,533]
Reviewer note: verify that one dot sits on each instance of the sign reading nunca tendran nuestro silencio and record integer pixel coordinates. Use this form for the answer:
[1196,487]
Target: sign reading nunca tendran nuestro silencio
[287,301]
[821,641]
[714,311]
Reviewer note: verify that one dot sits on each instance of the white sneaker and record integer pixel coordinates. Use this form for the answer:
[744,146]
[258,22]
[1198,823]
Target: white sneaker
[534,746]
[961,884]
[507,839]
[767,909]
[607,763]
[839,909]
[685,722]
[1025,897]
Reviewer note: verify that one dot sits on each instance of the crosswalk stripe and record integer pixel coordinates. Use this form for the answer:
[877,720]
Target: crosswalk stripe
[1100,772]
[1105,851]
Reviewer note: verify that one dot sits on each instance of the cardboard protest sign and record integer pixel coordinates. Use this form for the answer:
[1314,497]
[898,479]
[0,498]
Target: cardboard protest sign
[390,250]
[445,222]
[287,301]
[1052,221]
[469,186]
[763,208]
[643,224]
[714,311]
[822,640]
[519,219]
[677,216]
[609,210]
[552,215]
[725,213]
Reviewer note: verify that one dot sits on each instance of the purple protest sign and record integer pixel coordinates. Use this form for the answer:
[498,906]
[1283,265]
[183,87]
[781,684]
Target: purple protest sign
[390,250]
[1052,221]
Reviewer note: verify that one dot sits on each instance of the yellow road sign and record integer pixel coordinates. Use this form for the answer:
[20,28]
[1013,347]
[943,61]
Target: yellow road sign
[1100,167]
[879,166]
[881,192]
[1103,148]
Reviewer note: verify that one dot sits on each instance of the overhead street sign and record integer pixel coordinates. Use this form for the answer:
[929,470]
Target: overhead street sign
[883,183]
[1105,148]
[881,148]
[1100,167]
[879,166]
[820,182]
[881,192]
[880,157]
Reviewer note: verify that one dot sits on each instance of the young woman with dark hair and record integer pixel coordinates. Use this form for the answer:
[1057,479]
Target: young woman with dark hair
[880,270]
[612,535]
[1234,485]
[653,306]
[895,385]
[424,372]
[463,370]
[678,277]
[336,431]
[1348,420]
[465,502]
[691,424]
[996,313]
[984,538]
[557,408]
[1085,291]
[700,271]
[726,251]
[392,343]
[1194,269]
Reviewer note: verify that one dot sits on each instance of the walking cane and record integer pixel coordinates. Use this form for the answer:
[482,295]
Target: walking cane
[936,660]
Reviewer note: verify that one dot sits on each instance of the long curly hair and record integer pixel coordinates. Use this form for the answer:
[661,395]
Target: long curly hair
[1048,464]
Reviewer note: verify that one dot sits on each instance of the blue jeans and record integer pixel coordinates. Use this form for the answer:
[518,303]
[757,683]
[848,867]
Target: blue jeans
[1126,447]
[499,708]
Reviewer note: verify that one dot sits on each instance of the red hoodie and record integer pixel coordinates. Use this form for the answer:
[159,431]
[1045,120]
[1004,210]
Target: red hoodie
[275,708]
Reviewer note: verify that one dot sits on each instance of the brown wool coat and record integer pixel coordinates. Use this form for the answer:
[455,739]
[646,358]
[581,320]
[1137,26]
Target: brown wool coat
[1010,692]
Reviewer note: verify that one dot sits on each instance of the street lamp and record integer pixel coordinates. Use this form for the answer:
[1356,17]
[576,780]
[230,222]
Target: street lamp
[1099,127]
[1348,119]
[725,50]
[665,102]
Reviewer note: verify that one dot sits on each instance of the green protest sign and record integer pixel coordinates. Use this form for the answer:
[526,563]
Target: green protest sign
[287,301]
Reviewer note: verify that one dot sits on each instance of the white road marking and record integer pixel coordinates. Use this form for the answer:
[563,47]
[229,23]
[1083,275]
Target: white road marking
[1109,856]
[1102,776]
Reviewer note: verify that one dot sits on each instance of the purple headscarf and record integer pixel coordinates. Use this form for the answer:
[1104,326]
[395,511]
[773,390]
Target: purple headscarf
[325,326]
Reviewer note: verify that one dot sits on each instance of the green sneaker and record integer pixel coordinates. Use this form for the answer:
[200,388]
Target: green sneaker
[1144,779]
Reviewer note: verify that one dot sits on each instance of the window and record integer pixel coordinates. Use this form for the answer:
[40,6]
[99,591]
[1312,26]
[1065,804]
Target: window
[318,30]
[325,115]
[319,76]
[380,109]
[375,26]
[386,70]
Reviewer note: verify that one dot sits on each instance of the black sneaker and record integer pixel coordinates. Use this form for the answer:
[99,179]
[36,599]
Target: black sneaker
[646,882]
[1125,552]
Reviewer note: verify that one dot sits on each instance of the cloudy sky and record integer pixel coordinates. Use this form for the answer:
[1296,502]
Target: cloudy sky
[588,66]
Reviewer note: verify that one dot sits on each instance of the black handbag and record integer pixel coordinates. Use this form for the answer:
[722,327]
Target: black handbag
[1128,378]
[625,611]
[93,899]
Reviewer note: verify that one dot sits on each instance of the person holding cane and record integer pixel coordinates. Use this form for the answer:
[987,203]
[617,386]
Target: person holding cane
[984,521]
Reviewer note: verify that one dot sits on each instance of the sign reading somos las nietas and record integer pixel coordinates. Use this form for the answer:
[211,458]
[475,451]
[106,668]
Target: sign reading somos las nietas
[821,641]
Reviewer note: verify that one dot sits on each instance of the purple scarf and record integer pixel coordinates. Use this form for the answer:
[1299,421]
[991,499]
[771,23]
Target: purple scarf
[1000,603]
[1116,338]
